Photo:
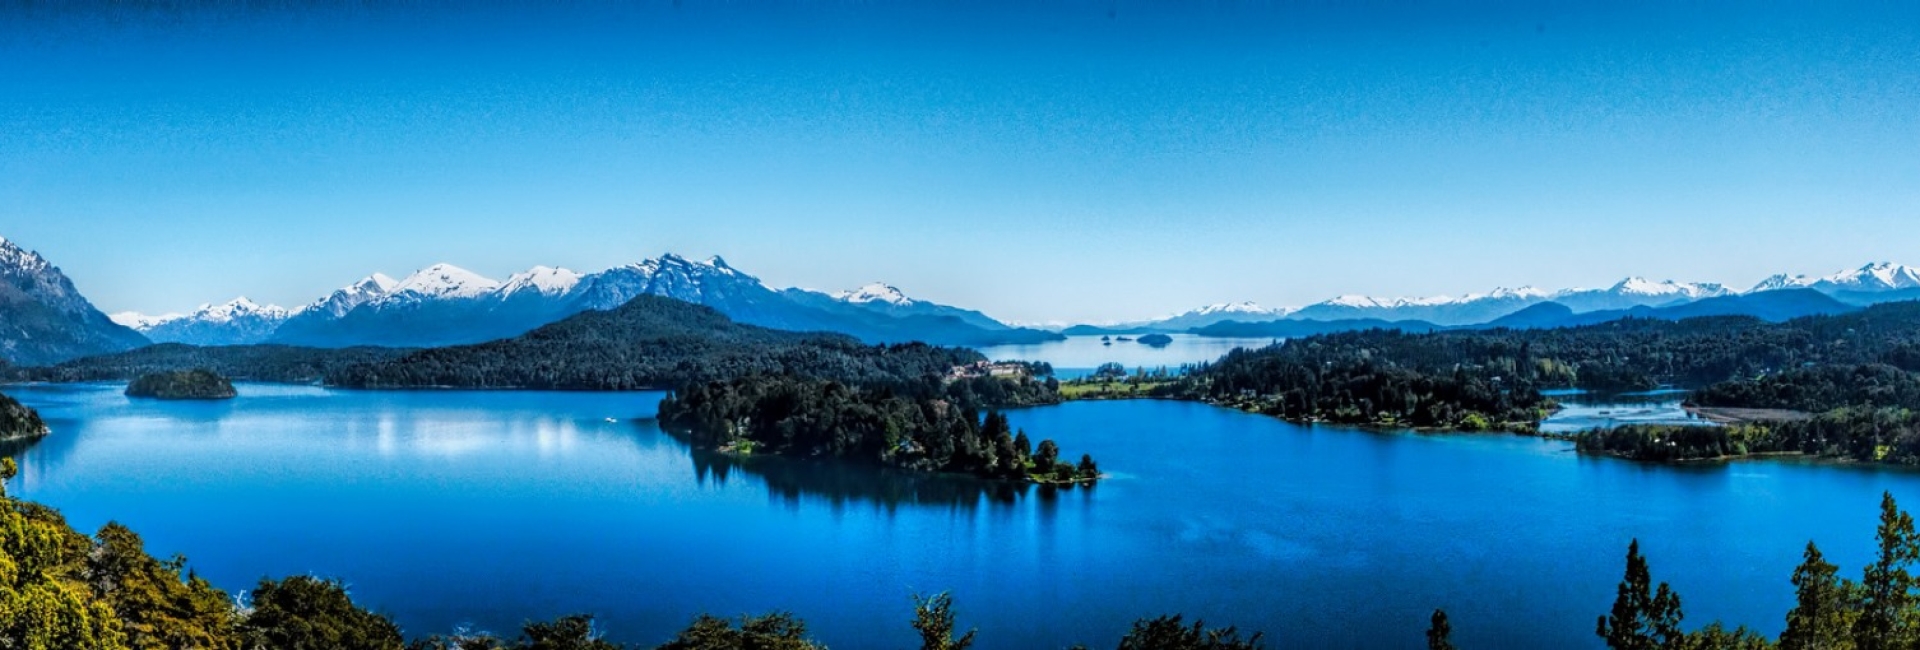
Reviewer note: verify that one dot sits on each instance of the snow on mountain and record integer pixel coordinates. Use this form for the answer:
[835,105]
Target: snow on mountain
[875,292]
[1872,278]
[347,298]
[543,280]
[44,319]
[236,322]
[142,322]
[442,281]
[1639,286]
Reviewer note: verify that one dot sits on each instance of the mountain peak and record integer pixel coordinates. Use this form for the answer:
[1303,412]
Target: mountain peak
[875,292]
[445,281]
[238,308]
[546,280]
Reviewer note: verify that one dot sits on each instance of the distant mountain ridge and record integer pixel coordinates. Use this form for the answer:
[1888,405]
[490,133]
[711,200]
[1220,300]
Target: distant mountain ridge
[446,305]
[1868,285]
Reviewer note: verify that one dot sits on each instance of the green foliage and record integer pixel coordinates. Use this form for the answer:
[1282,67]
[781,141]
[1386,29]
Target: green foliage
[1888,598]
[933,618]
[1822,617]
[19,421]
[652,343]
[1642,618]
[157,609]
[1171,633]
[777,631]
[307,613]
[199,383]
[932,428]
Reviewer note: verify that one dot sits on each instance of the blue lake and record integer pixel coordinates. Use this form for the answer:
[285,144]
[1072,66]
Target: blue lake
[486,508]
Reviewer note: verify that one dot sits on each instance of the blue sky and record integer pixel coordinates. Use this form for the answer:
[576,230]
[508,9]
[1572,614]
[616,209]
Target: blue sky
[1039,161]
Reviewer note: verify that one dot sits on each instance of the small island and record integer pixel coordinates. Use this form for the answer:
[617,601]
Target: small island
[1155,340]
[19,422]
[198,384]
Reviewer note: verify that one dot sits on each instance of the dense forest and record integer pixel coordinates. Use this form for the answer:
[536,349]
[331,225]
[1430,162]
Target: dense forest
[1859,434]
[17,421]
[931,429]
[651,343]
[1493,378]
[268,363]
[198,383]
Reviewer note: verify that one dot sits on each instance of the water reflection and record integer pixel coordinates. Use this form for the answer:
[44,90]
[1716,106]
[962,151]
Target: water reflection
[793,483]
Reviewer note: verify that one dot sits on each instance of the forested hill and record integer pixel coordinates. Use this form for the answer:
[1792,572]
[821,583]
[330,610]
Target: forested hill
[653,342]
[1440,378]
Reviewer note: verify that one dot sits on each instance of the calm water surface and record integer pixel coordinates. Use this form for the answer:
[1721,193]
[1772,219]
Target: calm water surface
[451,508]
[1078,356]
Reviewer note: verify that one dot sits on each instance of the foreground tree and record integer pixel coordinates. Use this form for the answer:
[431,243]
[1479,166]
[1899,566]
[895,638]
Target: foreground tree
[1643,618]
[933,618]
[777,631]
[1439,632]
[1170,633]
[307,613]
[1822,615]
[44,600]
[1887,587]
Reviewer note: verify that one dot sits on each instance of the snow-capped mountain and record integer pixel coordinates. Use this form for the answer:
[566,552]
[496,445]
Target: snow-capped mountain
[447,305]
[1638,292]
[1217,313]
[879,292]
[236,322]
[44,319]
[886,299]
[1439,310]
[1872,278]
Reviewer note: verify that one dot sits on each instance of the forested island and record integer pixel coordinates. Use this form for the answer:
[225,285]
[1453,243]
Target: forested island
[922,430]
[17,422]
[197,384]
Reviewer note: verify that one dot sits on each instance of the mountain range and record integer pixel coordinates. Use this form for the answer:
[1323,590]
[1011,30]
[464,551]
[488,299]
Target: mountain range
[44,319]
[446,305]
[1871,284]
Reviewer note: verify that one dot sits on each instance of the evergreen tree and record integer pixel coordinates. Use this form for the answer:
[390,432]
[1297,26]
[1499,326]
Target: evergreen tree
[1045,457]
[1887,588]
[1440,632]
[1821,615]
[1643,618]
[933,618]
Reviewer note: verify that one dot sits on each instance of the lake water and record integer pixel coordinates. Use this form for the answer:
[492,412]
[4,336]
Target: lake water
[486,508]
[1078,356]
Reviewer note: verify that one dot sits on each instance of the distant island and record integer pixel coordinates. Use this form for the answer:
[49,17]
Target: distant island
[1155,340]
[198,384]
[18,422]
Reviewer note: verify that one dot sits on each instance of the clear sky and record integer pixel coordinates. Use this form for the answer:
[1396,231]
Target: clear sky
[1039,161]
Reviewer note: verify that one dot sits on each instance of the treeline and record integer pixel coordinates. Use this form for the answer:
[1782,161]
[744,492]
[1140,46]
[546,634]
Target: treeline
[1474,379]
[266,363]
[1346,378]
[651,343]
[198,383]
[1818,389]
[926,427]
[1860,434]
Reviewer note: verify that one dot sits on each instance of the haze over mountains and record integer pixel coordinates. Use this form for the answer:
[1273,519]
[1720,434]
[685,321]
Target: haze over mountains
[44,319]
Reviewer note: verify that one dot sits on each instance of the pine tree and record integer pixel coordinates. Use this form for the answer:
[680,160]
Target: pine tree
[1821,614]
[1440,632]
[1643,618]
[1887,609]
[933,618]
